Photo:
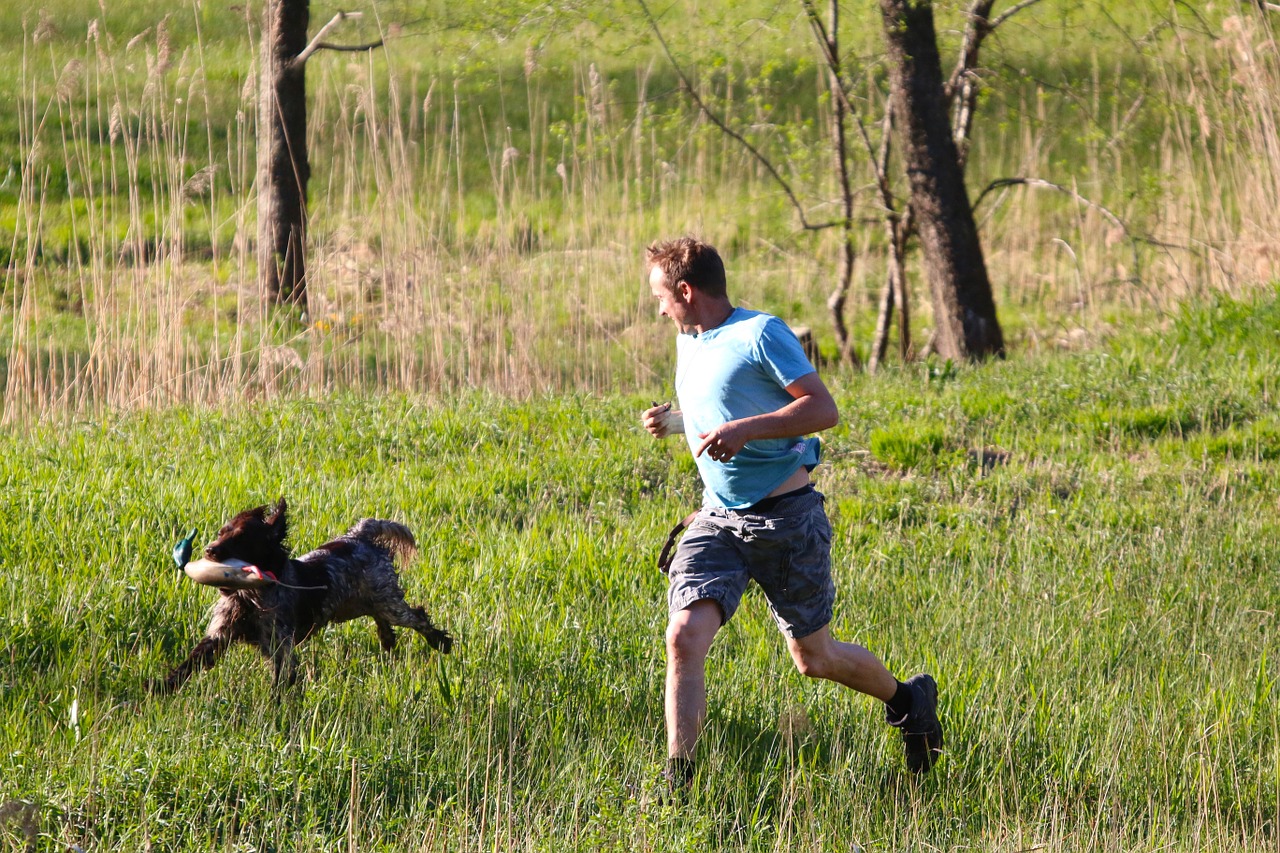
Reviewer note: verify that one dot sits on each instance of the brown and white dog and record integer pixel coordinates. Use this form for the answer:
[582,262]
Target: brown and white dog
[351,576]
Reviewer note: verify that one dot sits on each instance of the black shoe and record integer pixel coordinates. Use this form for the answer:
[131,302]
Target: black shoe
[671,787]
[677,776]
[921,731]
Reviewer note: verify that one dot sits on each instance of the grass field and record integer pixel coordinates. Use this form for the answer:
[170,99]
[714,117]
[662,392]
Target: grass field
[1099,609]
[1078,542]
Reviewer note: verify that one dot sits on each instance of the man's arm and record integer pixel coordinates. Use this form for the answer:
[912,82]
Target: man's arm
[812,410]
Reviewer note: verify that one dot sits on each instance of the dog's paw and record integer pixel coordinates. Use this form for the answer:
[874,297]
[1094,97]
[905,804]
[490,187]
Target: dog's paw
[160,686]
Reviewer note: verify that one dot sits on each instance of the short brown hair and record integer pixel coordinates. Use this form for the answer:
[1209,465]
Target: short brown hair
[688,259]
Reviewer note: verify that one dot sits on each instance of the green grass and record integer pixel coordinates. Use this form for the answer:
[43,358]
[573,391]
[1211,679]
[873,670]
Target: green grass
[1099,609]
[1078,542]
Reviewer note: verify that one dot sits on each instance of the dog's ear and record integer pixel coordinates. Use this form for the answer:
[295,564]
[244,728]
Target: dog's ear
[278,520]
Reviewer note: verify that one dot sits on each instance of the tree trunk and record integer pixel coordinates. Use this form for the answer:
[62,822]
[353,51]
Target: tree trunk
[893,293]
[963,307]
[283,166]
[838,298]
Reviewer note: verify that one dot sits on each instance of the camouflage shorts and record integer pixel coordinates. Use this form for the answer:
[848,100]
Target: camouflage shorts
[786,549]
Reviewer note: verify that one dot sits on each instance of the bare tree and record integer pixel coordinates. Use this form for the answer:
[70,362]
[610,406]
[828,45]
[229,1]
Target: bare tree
[961,94]
[838,130]
[283,165]
[897,227]
[933,120]
[964,310]
[827,34]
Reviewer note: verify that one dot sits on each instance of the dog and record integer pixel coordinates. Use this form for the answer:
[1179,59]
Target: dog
[349,577]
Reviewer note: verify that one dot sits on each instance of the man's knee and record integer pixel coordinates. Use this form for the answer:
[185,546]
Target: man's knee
[811,663]
[813,656]
[690,632]
[679,642]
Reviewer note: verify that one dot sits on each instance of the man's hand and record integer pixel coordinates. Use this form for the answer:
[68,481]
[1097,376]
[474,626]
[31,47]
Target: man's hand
[723,442]
[662,421]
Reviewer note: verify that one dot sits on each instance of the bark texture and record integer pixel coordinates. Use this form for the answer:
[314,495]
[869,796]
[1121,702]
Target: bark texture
[283,165]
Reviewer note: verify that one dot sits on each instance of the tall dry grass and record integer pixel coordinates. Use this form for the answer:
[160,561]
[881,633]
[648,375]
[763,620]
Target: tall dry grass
[1176,192]
[1228,138]
[462,237]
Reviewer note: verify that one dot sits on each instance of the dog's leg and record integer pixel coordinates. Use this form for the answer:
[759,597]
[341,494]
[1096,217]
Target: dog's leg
[203,656]
[386,636]
[402,615]
[276,642]
[284,662]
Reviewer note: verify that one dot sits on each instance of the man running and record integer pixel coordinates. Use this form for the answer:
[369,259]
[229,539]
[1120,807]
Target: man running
[748,398]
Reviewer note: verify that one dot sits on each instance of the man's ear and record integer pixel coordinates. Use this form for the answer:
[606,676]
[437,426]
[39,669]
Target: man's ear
[685,289]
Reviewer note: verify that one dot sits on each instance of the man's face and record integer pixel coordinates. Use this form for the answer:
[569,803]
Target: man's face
[671,303]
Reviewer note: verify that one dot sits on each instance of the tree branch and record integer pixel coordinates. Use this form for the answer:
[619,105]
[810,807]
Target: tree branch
[1039,183]
[962,86]
[976,29]
[1000,19]
[317,42]
[350,48]
[687,85]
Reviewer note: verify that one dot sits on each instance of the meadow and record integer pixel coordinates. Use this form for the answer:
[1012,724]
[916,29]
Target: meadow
[483,186]
[1080,547]
[1078,541]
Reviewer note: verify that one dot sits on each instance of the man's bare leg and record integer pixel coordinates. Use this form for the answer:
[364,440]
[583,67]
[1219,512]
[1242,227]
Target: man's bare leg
[911,706]
[689,636]
[820,655]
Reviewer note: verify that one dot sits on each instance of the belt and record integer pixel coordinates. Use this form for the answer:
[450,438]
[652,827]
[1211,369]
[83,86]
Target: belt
[664,559]
[766,504]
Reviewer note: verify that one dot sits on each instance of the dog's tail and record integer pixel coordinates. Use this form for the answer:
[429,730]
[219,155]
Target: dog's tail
[390,535]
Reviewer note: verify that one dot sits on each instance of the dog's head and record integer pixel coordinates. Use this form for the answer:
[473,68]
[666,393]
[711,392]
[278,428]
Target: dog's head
[256,536]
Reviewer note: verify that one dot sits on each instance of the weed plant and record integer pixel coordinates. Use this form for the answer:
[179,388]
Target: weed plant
[1080,547]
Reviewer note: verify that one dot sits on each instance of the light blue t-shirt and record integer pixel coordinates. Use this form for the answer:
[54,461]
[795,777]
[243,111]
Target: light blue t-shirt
[738,369]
